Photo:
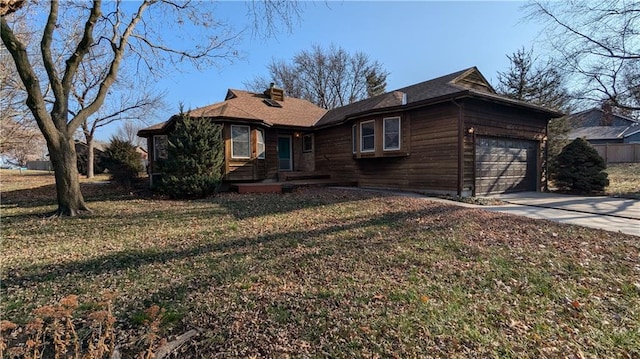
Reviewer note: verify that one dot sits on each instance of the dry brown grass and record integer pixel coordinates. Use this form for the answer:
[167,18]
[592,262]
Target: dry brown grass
[624,180]
[328,273]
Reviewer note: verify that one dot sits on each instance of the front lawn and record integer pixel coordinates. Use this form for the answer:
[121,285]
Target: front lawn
[323,273]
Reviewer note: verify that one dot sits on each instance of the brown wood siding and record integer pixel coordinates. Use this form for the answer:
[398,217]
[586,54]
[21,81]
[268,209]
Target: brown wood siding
[430,147]
[428,159]
[433,164]
[271,153]
[499,121]
[151,164]
[469,154]
[251,169]
[333,152]
[303,161]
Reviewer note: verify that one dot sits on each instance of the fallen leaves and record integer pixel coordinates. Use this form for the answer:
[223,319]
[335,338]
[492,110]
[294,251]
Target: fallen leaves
[334,273]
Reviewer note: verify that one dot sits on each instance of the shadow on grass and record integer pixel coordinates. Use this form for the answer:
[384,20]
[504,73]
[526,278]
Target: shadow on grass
[46,195]
[244,206]
[132,259]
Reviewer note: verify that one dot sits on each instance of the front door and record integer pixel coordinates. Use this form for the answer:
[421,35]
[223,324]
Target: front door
[285,160]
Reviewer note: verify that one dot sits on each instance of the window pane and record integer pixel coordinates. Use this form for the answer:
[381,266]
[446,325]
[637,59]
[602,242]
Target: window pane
[368,129]
[307,143]
[391,141]
[367,143]
[367,133]
[392,133]
[160,147]
[260,143]
[240,142]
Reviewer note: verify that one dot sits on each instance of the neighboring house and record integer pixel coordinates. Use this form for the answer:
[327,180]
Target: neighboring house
[452,134]
[82,153]
[144,156]
[601,126]
[598,135]
[594,117]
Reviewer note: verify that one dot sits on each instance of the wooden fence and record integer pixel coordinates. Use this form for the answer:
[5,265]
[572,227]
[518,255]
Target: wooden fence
[619,152]
[39,165]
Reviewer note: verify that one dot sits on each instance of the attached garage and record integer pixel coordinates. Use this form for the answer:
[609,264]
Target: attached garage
[505,165]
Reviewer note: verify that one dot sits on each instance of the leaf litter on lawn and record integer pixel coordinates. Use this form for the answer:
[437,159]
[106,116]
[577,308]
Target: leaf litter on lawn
[327,272]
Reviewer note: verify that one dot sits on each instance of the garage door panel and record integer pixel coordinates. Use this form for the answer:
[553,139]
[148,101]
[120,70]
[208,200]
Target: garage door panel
[504,165]
[502,158]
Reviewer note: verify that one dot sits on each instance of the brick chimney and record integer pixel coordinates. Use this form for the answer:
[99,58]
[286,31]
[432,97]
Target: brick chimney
[274,93]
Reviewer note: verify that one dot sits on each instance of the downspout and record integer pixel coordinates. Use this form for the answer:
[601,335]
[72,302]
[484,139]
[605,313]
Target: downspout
[460,146]
[545,187]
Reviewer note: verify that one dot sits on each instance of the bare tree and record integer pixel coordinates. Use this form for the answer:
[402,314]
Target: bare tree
[329,78]
[130,104]
[20,139]
[128,131]
[120,28]
[598,43]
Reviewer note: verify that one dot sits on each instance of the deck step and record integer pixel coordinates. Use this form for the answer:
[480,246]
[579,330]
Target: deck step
[286,187]
[294,176]
[259,187]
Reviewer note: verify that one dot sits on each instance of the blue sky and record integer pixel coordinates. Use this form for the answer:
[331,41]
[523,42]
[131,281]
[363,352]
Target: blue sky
[413,40]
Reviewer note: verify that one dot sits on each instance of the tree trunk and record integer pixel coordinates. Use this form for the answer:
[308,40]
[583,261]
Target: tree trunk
[64,162]
[90,157]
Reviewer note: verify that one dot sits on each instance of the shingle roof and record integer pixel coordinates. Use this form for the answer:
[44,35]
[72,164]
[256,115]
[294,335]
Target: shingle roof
[437,87]
[388,99]
[602,132]
[467,80]
[251,106]
[594,117]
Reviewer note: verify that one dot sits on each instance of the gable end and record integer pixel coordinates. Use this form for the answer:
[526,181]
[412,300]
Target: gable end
[473,79]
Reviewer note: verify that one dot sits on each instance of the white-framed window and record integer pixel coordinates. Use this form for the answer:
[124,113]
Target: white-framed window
[307,143]
[368,136]
[240,141]
[260,144]
[354,138]
[160,144]
[391,126]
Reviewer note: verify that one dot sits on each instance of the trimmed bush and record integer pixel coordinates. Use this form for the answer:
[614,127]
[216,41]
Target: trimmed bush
[195,159]
[123,162]
[580,169]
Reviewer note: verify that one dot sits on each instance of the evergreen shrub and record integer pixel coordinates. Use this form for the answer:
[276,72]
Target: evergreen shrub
[195,159]
[123,162]
[580,169]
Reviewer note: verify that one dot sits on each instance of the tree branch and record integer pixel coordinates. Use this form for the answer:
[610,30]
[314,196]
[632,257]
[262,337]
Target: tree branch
[113,69]
[35,100]
[607,49]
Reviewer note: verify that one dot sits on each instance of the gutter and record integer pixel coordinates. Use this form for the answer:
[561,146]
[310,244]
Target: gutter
[441,99]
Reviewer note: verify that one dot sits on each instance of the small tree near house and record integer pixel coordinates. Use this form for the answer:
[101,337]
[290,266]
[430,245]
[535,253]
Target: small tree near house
[195,158]
[123,162]
[580,168]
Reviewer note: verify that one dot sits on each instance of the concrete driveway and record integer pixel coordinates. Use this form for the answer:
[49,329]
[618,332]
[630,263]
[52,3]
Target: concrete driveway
[608,213]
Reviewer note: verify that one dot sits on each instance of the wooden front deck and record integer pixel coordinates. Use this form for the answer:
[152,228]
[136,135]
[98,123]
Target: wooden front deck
[288,186]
